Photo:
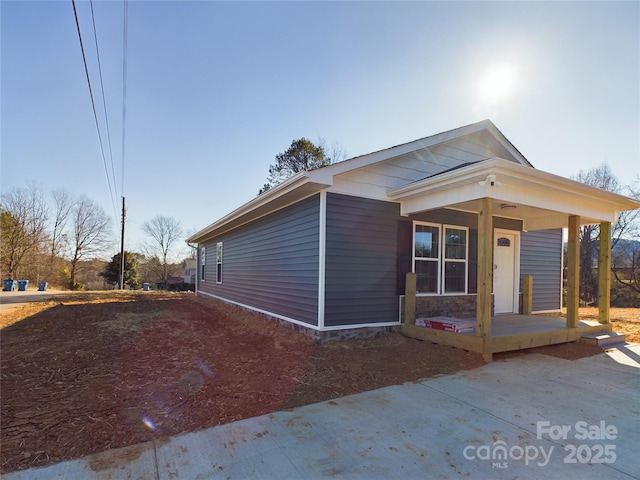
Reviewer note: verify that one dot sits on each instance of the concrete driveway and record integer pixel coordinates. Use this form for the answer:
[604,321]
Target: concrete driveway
[527,417]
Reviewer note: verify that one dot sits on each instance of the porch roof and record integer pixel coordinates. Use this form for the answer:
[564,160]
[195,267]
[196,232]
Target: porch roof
[540,199]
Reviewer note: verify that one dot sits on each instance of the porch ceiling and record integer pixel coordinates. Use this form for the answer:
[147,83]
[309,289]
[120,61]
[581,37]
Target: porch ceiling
[532,218]
[541,200]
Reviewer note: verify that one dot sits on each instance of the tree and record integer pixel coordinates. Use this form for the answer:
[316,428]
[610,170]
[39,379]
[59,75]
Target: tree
[24,217]
[62,208]
[337,152]
[301,156]
[150,269]
[629,253]
[164,233]
[90,235]
[111,273]
[601,177]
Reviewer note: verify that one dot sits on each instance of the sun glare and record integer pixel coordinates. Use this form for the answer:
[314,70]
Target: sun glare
[497,83]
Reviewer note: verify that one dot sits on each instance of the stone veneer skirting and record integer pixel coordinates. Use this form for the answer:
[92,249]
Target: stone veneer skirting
[455,306]
[336,335]
[326,335]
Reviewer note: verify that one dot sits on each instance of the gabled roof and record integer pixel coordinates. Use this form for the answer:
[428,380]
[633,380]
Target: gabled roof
[305,184]
[503,148]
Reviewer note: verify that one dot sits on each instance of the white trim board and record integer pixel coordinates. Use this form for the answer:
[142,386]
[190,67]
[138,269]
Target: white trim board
[298,322]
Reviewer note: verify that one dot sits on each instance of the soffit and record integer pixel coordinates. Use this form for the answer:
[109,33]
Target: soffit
[540,199]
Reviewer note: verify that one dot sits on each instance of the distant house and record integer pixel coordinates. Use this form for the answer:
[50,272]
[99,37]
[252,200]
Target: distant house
[329,250]
[173,283]
[190,269]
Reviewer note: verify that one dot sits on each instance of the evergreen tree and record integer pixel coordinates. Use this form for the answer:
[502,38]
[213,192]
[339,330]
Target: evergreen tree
[301,156]
[131,269]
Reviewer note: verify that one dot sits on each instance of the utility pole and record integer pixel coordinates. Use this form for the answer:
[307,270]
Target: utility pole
[124,214]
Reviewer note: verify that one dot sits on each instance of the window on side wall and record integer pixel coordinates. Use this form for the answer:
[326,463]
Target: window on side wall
[219,263]
[203,262]
[440,258]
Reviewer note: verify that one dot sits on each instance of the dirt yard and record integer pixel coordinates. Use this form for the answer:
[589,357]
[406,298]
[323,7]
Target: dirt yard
[91,372]
[623,320]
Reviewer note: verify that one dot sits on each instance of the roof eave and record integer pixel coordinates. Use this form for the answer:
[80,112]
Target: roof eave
[505,170]
[294,188]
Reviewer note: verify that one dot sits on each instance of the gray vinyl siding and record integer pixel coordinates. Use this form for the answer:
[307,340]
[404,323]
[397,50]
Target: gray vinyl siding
[271,264]
[541,256]
[361,261]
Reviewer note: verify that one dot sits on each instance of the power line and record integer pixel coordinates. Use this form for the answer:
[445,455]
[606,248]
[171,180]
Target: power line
[104,101]
[125,29]
[93,105]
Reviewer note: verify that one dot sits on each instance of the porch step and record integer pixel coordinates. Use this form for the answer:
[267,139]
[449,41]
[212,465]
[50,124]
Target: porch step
[603,339]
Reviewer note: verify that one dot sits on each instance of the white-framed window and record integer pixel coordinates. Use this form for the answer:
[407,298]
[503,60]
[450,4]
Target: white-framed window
[440,258]
[426,256]
[203,263]
[219,262]
[456,253]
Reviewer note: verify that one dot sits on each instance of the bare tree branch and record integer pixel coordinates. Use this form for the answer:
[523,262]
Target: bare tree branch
[24,219]
[63,203]
[625,228]
[91,233]
[164,232]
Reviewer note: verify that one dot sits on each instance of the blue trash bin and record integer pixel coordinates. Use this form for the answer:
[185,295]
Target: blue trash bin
[9,285]
[22,285]
[145,287]
[42,286]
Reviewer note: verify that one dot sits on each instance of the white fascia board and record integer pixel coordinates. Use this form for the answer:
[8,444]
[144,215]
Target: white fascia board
[514,184]
[555,200]
[406,148]
[528,176]
[504,141]
[440,197]
[270,195]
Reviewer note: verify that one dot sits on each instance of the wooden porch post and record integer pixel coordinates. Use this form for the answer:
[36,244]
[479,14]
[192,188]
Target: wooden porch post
[485,270]
[410,299]
[573,272]
[527,295]
[604,273]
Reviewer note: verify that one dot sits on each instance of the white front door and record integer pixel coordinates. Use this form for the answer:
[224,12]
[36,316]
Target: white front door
[505,249]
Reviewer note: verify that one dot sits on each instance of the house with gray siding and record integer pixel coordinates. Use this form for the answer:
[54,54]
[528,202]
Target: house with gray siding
[328,251]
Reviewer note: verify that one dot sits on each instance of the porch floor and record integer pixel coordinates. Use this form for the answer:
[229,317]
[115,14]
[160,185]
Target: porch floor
[513,324]
[510,332]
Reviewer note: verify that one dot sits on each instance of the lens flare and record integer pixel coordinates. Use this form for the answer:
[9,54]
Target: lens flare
[205,368]
[191,381]
[149,423]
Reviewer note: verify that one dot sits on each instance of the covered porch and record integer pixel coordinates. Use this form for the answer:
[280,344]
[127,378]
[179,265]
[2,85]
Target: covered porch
[540,200]
[511,332]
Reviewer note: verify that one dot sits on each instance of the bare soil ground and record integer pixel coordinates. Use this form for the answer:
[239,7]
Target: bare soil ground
[623,320]
[91,372]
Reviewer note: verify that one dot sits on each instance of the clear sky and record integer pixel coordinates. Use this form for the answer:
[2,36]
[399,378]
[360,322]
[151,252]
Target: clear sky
[215,90]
